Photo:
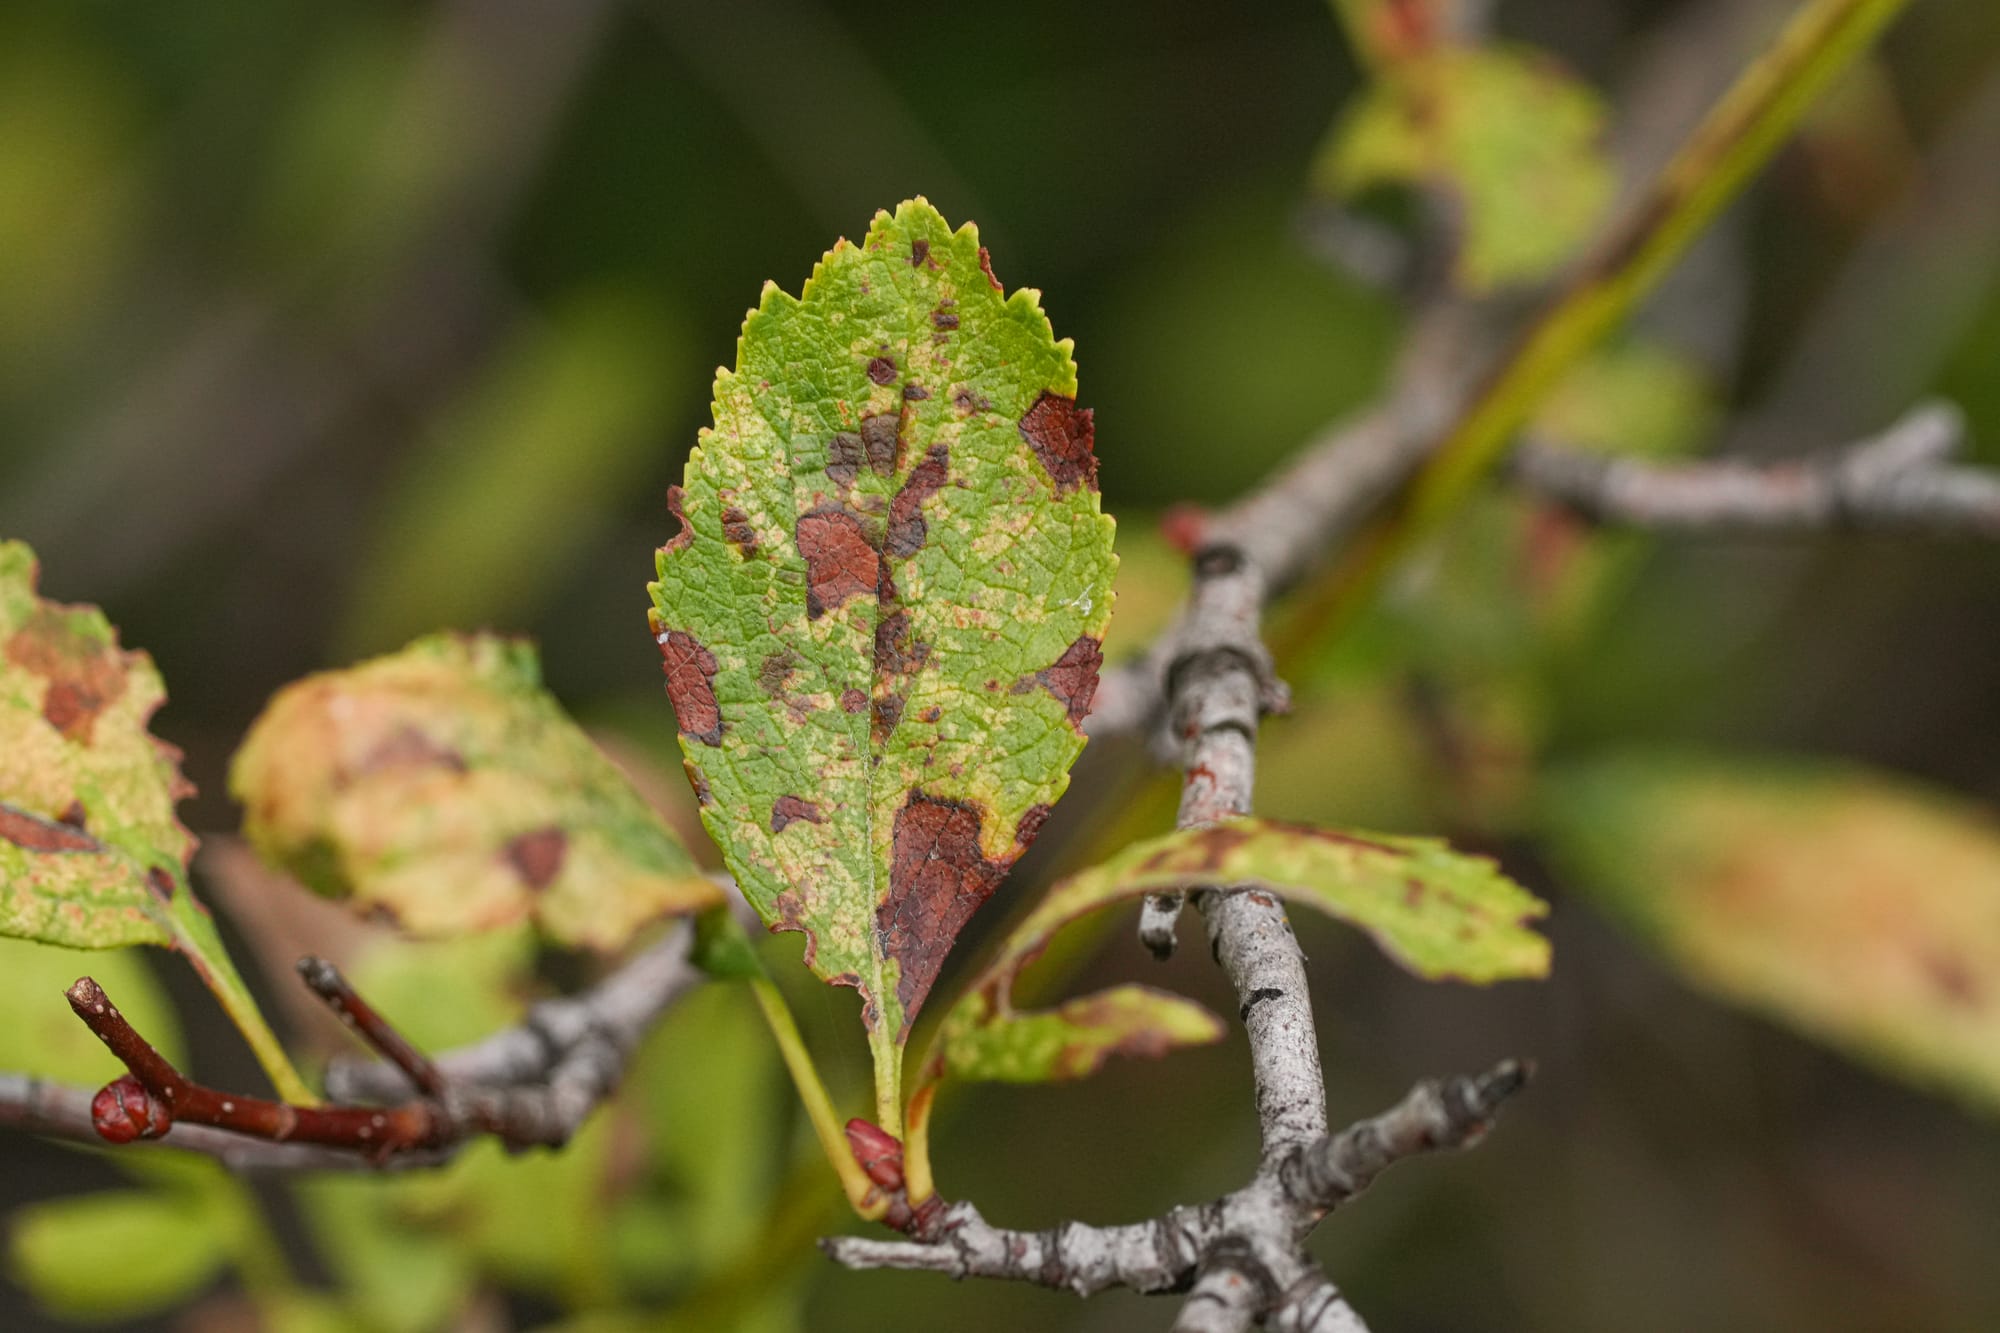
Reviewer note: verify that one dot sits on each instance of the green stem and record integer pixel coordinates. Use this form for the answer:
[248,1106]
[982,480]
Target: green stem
[1736,138]
[219,974]
[819,1107]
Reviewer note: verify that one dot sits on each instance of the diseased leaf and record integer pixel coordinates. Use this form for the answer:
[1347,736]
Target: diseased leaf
[1505,133]
[92,855]
[444,788]
[1862,910]
[1438,913]
[90,848]
[882,617]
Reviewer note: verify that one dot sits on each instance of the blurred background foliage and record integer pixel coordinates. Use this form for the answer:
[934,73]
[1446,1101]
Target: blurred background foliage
[322,326]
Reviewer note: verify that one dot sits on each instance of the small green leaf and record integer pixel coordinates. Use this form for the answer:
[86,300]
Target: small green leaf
[1438,913]
[1074,1039]
[1505,133]
[92,855]
[882,617]
[1862,910]
[444,788]
[116,1255]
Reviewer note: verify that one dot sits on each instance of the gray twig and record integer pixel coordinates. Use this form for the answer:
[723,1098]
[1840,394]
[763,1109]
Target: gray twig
[1241,1260]
[1899,480]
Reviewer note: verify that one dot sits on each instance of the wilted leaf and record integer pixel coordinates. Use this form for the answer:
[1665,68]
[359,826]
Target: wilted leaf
[443,787]
[1438,913]
[1862,910]
[116,1255]
[1506,134]
[882,617]
[91,853]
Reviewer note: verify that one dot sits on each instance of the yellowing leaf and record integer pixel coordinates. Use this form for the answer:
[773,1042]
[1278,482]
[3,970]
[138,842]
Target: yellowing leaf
[1438,913]
[443,787]
[90,848]
[91,853]
[882,617]
[1510,138]
[1862,910]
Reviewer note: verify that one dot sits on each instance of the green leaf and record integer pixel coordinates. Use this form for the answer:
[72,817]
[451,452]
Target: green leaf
[1505,133]
[92,855]
[42,1037]
[882,618]
[1074,1039]
[116,1255]
[1859,909]
[1438,913]
[444,788]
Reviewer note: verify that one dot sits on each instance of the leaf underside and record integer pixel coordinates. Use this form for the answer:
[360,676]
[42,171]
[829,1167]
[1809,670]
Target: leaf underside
[443,788]
[1860,909]
[880,621]
[1442,915]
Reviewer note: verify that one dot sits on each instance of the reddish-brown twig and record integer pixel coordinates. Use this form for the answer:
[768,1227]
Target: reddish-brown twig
[325,981]
[146,1102]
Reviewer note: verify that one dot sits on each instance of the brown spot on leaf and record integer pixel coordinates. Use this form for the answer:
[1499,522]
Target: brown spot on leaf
[684,534]
[882,370]
[1072,678]
[408,746]
[895,654]
[788,810]
[776,670]
[736,527]
[43,835]
[85,677]
[852,701]
[906,512]
[968,402]
[690,672]
[788,912]
[931,714]
[920,250]
[843,458]
[937,880]
[160,884]
[915,393]
[986,267]
[878,441]
[839,561]
[698,780]
[944,319]
[1061,435]
[887,713]
[1954,980]
[537,856]
[75,816]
